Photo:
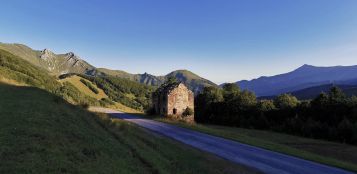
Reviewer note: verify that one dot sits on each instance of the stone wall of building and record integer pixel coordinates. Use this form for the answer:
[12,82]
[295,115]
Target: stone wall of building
[179,99]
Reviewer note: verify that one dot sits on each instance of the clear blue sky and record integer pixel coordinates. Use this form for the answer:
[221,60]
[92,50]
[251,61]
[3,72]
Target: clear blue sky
[222,40]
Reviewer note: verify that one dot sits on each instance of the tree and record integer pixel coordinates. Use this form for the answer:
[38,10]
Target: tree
[230,91]
[231,87]
[286,101]
[320,101]
[245,100]
[204,102]
[212,94]
[171,80]
[345,130]
[266,105]
[336,95]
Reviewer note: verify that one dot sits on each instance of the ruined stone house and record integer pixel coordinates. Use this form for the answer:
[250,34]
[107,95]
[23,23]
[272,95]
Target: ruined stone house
[173,99]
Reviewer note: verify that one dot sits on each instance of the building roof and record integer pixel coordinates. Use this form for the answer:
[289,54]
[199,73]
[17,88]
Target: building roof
[166,88]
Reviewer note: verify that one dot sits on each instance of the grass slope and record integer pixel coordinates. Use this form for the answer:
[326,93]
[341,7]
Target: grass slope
[124,91]
[75,80]
[16,69]
[41,133]
[23,51]
[330,153]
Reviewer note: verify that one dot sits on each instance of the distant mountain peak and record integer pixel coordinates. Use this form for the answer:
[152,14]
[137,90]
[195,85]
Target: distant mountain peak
[47,51]
[72,55]
[305,66]
[300,78]
[47,54]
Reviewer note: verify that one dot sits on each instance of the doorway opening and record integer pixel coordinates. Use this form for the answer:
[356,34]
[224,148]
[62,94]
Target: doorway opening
[174,111]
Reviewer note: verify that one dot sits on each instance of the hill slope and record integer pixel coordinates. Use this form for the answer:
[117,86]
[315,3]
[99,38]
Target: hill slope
[14,68]
[145,78]
[46,59]
[191,80]
[312,92]
[41,133]
[303,77]
[76,81]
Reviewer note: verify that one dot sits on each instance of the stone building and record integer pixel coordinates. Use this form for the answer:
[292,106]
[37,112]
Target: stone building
[173,99]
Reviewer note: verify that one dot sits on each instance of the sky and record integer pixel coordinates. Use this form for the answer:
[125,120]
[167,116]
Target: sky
[221,40]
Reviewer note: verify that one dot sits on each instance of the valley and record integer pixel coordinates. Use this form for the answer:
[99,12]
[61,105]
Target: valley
[178,87]
[69,86]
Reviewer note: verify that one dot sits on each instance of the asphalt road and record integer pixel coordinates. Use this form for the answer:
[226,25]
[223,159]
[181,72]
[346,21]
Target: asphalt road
[261,159]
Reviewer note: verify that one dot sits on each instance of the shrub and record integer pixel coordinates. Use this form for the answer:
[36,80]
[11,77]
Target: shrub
[188,111]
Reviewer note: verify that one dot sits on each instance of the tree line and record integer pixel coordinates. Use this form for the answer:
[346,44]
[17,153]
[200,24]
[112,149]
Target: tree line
[330,116]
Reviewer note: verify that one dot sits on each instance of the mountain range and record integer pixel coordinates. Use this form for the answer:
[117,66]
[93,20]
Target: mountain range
[306,76]
[304,81]
[58,64]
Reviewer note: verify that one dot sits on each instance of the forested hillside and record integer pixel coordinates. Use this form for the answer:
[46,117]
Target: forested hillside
[124,91]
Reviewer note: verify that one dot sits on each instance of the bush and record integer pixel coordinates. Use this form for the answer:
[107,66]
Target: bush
[188,111]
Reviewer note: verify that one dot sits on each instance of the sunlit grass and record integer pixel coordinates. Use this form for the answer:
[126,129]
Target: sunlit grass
[75,80]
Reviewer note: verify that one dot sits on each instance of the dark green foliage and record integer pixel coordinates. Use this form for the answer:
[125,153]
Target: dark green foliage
[187,112]
[266,105]
[120,90]
[345,130]
[171,80]
[228,106]
[285,101]
[331,116]
[90,86]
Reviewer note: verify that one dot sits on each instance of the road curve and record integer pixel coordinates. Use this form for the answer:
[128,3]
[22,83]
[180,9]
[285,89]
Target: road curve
[261,159]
